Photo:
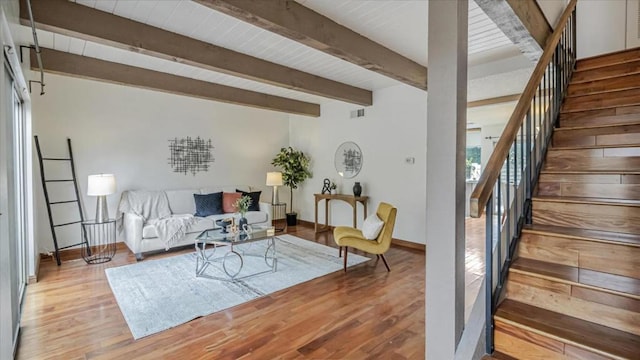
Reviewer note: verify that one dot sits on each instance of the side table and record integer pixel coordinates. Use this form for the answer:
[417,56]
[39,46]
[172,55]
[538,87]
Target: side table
[100,241]
[279,211]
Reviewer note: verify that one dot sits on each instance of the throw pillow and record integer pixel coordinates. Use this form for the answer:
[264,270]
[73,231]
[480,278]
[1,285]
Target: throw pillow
[255,199]
[209,204]
[228,199]
[371,227]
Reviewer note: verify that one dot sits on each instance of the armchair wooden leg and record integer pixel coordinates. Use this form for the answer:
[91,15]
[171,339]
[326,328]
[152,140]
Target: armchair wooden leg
[345,257]
[385,262]
[340,251]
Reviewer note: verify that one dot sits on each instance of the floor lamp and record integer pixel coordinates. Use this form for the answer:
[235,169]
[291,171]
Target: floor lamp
[274,179]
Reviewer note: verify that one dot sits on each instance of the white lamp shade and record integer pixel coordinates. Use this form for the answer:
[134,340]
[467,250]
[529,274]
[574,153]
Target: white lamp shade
[274,178]
[103,184]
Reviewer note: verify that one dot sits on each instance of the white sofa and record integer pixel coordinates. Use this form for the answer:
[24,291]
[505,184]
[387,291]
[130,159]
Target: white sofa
[142,238]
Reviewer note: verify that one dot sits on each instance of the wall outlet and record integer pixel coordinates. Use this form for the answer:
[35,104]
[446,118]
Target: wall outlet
[410,160]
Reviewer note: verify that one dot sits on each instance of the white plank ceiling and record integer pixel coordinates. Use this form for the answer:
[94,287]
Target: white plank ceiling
[398,25]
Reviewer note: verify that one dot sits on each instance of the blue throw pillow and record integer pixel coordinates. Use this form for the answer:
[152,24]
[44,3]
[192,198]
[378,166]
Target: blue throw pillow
[255,199]
[209,204]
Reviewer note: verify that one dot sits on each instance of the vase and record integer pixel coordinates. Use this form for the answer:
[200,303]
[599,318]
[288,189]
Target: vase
[357,189]
[242,222]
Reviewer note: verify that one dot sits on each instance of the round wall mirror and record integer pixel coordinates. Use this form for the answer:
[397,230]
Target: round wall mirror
[348,160]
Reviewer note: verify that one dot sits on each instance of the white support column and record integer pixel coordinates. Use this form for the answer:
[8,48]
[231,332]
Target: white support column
[446,144]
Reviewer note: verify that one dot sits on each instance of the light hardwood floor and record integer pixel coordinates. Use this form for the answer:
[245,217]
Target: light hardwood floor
[366,313]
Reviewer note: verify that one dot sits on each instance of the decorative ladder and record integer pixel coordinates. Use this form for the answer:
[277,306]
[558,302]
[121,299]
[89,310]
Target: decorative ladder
[49,203]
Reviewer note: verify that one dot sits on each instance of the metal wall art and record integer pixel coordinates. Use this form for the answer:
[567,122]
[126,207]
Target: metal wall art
[189,155]
[348,160]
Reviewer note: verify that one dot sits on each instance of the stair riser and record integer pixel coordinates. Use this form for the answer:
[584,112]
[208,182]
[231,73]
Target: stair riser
[608,152]
[602,100]
[606,85]
[601,120]
[608,59]
[571,163]
[599,113]
[523,344]
[606,72]
[587,216]
[609,136]
[590,178]
[606,257]
[568,299]
[610,191]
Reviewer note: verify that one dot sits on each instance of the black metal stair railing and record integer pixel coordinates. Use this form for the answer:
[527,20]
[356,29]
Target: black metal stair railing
[505,188]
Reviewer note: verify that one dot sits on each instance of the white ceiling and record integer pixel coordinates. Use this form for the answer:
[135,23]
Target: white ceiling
[398,25]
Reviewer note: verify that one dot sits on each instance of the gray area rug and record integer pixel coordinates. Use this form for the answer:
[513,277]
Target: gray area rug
[155,295]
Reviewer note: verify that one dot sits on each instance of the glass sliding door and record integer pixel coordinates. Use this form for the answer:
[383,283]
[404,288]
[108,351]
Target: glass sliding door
[13,208]
[19,191]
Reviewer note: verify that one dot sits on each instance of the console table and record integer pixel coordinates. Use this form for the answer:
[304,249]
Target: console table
[349,199]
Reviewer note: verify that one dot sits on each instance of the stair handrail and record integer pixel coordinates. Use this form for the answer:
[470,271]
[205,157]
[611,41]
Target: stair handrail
[483,189]
[512,171]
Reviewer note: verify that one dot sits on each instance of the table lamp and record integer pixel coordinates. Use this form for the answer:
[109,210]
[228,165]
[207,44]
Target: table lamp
[274,179]
[101,185]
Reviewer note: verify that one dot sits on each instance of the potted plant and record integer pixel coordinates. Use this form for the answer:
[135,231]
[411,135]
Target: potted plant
[333,188]
[242,206]
[295,169]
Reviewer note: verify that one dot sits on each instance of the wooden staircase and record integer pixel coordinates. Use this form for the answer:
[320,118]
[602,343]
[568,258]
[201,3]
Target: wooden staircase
[574,290]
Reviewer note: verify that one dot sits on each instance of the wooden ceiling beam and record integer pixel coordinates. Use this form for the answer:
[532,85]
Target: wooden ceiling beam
[67,18]
[522,21]
[63,63]
[296,22]
[493,101]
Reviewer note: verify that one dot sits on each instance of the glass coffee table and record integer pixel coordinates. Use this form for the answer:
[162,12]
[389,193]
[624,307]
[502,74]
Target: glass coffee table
[212,239]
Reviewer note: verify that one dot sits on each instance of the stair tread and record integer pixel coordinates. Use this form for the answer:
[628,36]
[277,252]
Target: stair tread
[585,234]
[600,107]
[604,86]
[581,333]
[607,71]
[585,200]
[567,128]
[589,278]
[585,147]
[594,172]
[609,59]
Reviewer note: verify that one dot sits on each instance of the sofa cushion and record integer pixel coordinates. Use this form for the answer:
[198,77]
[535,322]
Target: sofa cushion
[228,199]
[208,204]
[255,199]
[181,201]
[200,225]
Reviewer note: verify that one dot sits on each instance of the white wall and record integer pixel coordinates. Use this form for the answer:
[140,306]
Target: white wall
[601,27]
[125,131]
[393,129]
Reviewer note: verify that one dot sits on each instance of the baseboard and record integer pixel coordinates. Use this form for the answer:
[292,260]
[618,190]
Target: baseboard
[394,241]
[408,244]
[75,253]
[34,278]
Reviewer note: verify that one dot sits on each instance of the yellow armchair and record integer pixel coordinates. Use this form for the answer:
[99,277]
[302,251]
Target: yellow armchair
[347,236]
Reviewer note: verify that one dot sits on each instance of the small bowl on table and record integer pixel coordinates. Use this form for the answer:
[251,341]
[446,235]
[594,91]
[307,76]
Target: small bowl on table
[223,223]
